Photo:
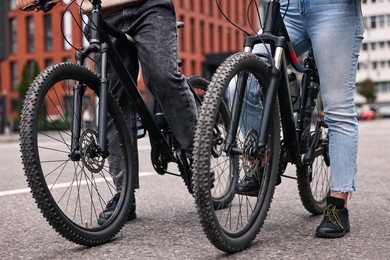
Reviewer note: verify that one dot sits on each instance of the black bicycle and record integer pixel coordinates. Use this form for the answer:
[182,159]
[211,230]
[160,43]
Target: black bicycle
[74,130]
[271,124]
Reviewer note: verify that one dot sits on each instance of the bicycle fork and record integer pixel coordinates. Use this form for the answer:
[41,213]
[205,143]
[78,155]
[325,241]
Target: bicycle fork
[269,105]
[78,95]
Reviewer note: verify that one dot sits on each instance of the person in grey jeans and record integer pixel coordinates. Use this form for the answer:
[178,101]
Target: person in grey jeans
[152,24]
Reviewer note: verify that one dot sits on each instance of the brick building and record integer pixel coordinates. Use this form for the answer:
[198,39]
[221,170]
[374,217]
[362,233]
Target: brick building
[35,37]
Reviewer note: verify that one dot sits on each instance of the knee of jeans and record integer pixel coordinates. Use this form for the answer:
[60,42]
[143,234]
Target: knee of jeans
[341,121]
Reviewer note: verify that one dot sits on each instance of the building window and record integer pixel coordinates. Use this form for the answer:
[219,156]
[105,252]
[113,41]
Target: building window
[228,12]
[30,33]
[67,29]
[14,75]
[68,82]
[212,36]
[364,46]
[388,20]
[12,5]
[383,87]
[84,22]
[14,105]
[13,35]
[67,59]
[48,62]
[181,4]
[201,6]
[211,11]
[220,37]
[192,39]
[48,32]
[373,22]
[181,37]
[381,19]
[229,39]
[221,8]
[202,37]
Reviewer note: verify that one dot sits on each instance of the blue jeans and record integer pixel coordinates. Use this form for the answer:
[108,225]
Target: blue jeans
[334,30]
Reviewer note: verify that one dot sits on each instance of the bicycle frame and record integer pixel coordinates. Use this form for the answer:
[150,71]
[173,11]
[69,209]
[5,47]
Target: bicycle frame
[283,54]
[101,42]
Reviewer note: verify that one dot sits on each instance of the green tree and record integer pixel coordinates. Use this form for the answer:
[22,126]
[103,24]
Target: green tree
[367,89]
[30,71]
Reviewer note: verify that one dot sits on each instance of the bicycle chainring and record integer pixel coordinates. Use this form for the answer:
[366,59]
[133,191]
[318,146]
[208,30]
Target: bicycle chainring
[159,164]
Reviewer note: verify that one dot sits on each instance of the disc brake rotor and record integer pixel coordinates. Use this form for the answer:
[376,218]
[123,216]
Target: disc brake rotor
[250,162]
[89,151]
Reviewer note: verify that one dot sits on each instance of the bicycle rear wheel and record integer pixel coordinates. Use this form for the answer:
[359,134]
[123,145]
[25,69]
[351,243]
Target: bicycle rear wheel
[71,193]
[314,178]
[232,225]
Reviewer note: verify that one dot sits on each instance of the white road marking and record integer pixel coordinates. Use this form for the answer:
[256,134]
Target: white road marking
[62,185]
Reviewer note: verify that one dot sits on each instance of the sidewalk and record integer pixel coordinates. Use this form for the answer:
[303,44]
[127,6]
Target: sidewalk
[9,137]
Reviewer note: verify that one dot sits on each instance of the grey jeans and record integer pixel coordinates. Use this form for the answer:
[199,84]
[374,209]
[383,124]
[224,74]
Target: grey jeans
[152,24]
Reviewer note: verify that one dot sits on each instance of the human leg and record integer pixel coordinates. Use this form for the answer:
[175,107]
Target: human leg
[336,52]
[156,37]
[336,32]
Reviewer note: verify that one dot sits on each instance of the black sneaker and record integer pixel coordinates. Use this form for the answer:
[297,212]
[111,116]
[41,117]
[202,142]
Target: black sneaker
[250,184]
[335,223]
[110,208]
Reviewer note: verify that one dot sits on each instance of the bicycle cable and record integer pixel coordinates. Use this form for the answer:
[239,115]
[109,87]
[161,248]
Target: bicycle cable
[83,22]
[228,19]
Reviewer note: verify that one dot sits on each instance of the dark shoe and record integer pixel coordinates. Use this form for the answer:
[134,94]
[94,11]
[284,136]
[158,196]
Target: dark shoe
[250,184]
[110,208]
[335,222]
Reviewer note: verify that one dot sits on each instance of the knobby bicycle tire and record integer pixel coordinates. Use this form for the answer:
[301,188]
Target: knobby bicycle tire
[71,194]
[233,227]
[223,192]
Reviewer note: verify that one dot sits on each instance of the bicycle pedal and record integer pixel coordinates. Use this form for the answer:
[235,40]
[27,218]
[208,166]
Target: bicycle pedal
[184,168]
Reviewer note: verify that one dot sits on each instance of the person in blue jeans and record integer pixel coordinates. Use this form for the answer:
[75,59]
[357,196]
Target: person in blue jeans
[334,30]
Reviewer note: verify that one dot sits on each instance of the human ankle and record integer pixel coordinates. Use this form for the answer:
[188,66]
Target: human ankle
[340,195]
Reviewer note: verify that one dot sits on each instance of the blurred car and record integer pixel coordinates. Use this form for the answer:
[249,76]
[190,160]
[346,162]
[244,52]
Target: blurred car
[384,111]
[367,115]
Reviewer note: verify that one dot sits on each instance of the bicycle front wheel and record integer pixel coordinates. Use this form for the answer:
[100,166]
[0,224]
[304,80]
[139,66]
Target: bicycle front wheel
[224,183]
[72,188]
[232,224]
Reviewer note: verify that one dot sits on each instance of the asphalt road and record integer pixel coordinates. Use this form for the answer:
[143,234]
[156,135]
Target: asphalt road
[167,226]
